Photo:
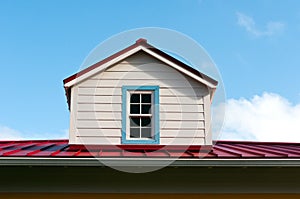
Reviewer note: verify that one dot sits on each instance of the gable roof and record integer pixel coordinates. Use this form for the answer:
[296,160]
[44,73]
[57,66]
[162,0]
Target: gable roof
[139,45]
[223,153]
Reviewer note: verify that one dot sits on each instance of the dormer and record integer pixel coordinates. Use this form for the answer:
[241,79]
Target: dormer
[140,96]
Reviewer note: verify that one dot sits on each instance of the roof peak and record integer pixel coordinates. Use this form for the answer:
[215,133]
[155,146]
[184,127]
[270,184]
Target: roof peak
[141,41]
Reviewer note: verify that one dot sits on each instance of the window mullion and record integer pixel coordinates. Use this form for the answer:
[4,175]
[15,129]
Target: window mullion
[140,116]
[140,127]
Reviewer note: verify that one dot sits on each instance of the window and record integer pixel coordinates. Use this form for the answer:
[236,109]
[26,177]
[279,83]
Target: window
[140,118]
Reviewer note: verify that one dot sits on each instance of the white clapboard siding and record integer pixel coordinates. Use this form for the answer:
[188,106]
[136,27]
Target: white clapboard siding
[182,133]
[118,116]
[182,124]
[99,132]
[141,57]
[117,140]
[165,91]
[118,99]
[145,67]
[181,100]
[98,103]
[110,83]
[181,116]
[98,124]
[117,133]
[132,75]
[99,140]
[182,141]
[99,107]
[100,99]
[194,92]
[99,115]
[181,108]
[116,91]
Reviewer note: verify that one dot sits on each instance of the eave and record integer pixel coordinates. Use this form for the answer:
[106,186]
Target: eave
[147,162]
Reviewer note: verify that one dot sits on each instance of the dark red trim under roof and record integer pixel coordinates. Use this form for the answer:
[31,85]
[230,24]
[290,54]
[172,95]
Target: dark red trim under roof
[139,42]
[221,150]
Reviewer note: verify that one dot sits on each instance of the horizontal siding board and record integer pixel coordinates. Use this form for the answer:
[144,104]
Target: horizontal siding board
[182,124]
[145,67]
[132,75]
[117,140]
[181,100]
[113,83]
[182,141]
[181,108]
[182,133]
[99,115]
[99,91]
[99,99]
[98,124]
[141,57]
[181,116]
[194,92]
[99,107]
[118,99]
[164,91]
[163,133]
[168,112]
[117,133]
[99,132]
[99,140]
[163,108]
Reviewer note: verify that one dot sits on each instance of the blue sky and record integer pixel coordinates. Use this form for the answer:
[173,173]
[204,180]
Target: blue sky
[255,44]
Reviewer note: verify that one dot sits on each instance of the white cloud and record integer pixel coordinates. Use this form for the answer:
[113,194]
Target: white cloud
[7,133]
[269,117]
[271,28]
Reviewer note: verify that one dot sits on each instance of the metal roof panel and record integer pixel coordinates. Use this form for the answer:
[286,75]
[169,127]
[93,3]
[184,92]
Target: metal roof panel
[221,150]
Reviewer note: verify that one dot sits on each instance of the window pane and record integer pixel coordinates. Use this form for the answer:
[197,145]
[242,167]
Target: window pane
[134,108]
[146,109]
[134,121]
[146,121]
[135,98]
[146,98]
[146,133]
[135,132]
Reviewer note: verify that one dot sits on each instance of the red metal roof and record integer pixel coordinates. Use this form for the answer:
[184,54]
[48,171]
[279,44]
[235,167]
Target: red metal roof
[221,150]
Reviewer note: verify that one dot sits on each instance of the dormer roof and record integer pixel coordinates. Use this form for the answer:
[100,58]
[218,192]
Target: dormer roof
[140,45]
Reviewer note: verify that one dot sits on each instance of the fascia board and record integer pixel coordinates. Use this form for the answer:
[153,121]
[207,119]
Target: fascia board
[20,161]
